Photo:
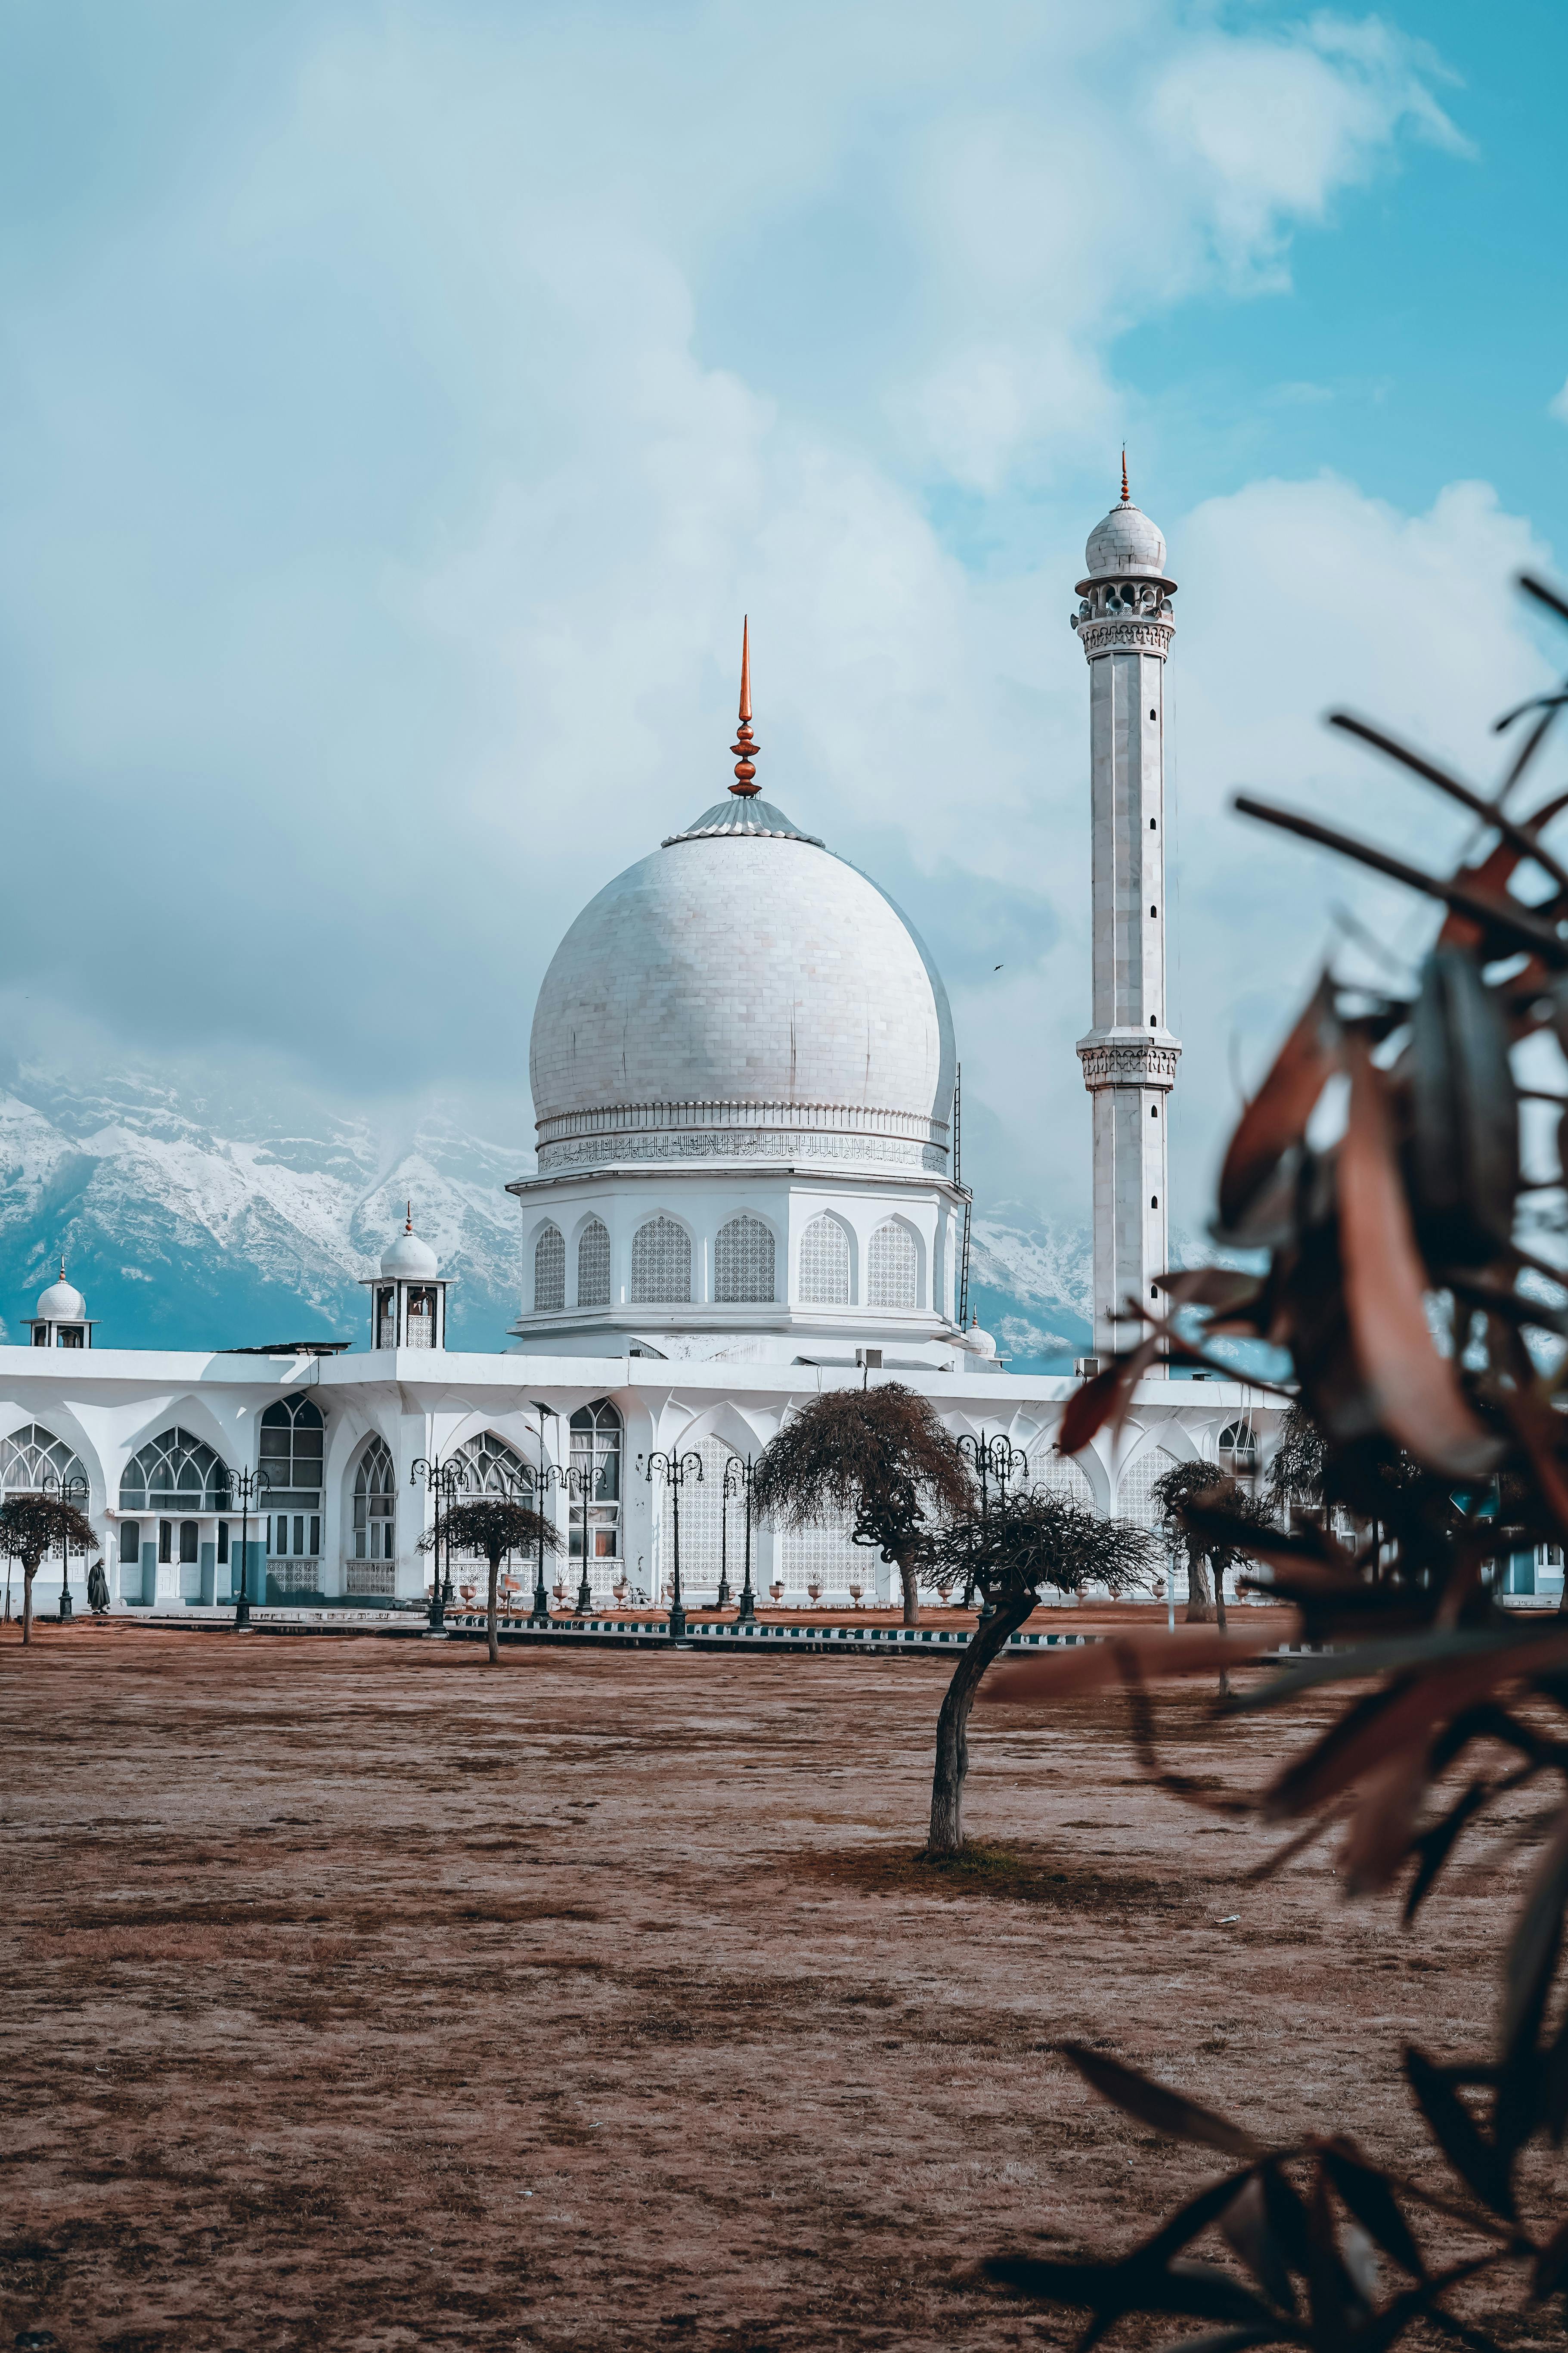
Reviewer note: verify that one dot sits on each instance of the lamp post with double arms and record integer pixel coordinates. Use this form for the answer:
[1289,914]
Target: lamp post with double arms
[578,1481]
[675,1469]
[738,1481]
[444,1481]
[249,1486]
[993,1458]
[542,1481]
[69,1491]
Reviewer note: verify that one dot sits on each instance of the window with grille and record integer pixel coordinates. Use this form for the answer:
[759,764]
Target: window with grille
[824,1265]
[743,1261]
[1136,1489]
[661,1263]
[293,1439]
[550,1271]
[491,1467]
[595,1492]
[594,1264]
[892,1263]
[1238,1449]
[175,1468]
[33,1460]
[375,1504]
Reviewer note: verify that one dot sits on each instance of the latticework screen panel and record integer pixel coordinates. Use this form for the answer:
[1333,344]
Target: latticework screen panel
[824,1265]
[550,1271]
[1060,1475]
[892,1264]
[702,1502]
[1136,1489]
[825,1554]
[743,1261]
[661,1263]
[594,1265]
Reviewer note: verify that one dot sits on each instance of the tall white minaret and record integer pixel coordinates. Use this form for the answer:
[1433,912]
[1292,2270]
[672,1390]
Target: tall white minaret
[1129,1056]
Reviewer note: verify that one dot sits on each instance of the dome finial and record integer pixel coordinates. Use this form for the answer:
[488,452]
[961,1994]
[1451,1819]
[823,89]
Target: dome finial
[746,782]
[1126,493]
[408,1217]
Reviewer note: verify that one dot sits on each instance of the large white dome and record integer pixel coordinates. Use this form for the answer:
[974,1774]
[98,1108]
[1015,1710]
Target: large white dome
[741,994]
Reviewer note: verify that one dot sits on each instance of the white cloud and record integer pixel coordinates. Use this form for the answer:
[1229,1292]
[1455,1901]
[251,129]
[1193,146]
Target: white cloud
[383,496]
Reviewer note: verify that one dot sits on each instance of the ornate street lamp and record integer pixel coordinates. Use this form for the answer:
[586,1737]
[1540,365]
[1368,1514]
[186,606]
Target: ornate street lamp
[444,1481]
[675,1469]
[993,1458]
[69,1491]
[578,1482]
[737,1481]
[249,1486]
[541,1609]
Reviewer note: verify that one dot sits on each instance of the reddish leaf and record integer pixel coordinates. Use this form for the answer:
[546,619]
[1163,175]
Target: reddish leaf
[1276,1117]
[1223,1288]
[1458,2135]
[1550,2264]
[1062,1674]
[1154,2104]
[1382,1828]
[1416,1391]
[1104,1396]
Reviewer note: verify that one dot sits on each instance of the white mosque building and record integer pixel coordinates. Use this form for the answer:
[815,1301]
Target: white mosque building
[744,1072]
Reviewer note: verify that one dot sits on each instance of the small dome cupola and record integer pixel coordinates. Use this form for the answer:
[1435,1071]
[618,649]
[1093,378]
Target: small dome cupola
[408,1297]
[61,1320]
[1128,545]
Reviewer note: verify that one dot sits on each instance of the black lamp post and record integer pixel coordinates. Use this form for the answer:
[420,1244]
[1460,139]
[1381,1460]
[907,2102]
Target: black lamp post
[444,1481]
[69,1491]
[993,1458]
[738,1481]
[675,1469]
[249,1486]
[578,1482]
[541,1489]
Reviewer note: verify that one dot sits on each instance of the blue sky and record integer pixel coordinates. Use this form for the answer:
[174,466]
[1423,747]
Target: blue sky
[402,402]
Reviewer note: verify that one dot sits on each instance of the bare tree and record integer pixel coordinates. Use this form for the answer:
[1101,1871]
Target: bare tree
[1215,1536]
[31,1528]
[879,1457]
[1026,1544]
[493,1527]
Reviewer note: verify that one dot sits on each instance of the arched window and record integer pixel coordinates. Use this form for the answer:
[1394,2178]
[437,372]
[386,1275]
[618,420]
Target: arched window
[293,1439]
[550,1271]
[33,1460]
[743,1261]
[595,1493]
[594,1264]
[824,1265]
[175,1471]
[491,1467]
[892,1264]
[1238,1450]
[375,1502]
[661,1263]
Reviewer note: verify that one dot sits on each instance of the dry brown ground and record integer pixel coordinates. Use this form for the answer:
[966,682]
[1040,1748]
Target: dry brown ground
[360,1995]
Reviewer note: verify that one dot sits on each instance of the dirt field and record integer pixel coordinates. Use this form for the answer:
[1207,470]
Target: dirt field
[360,1995]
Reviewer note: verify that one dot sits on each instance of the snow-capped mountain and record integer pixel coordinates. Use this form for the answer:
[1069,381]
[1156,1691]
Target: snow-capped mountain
[189,1226]
[181,1235]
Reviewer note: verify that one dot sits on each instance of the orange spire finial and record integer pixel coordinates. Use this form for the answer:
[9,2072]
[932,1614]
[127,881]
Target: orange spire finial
[408,1217]
[1126,493]
[746,782]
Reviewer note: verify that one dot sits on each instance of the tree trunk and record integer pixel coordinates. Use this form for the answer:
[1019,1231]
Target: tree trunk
[27,1577]
[1219,1620]
[952,1725]
[911,1583]
[1200,1600]
[491,1621]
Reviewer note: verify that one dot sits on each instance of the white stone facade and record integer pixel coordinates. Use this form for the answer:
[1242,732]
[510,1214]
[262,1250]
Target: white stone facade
[104,1406]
